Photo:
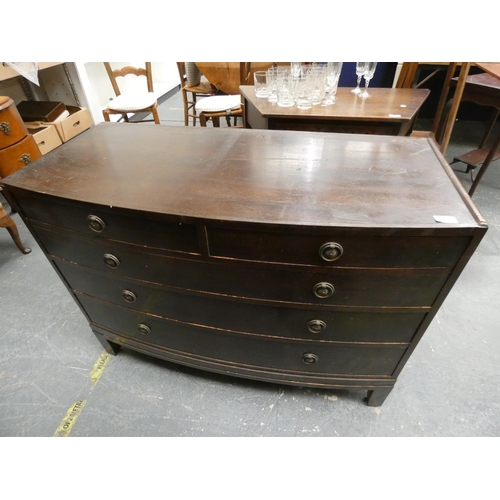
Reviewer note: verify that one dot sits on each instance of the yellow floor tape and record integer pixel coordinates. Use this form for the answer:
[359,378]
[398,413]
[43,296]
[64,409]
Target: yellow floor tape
[75,410]
[69,420]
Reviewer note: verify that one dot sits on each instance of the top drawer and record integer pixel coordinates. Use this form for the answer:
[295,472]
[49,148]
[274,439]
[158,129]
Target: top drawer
[338,248]
[137,230]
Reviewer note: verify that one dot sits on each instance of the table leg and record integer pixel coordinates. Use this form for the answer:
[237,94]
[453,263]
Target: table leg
[486,164]
[7,222]
[464,72]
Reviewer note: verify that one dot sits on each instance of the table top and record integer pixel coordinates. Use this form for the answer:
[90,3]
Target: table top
[225,76]
[262,176]
[491,68]
[388,104]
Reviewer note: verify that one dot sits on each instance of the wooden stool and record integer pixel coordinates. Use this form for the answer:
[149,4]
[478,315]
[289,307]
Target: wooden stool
[7,222]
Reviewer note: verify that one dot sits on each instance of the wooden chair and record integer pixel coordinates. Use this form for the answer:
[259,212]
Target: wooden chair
[226,106]
[221,106]
[198,89]
[7,222]
[132,102]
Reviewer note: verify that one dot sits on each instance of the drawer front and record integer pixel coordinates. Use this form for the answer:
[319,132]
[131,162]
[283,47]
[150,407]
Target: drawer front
[347,287]
[12,127]
[287,322]
[245,350]
[111,225]
[18,156]
[346,250]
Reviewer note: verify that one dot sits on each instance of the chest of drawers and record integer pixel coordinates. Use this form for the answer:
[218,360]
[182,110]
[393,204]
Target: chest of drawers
[290,257]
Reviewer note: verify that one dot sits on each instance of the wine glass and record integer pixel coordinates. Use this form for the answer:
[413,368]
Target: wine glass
[368,75]
[360,69]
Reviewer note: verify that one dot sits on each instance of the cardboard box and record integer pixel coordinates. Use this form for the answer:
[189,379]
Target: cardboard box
[46,138]
[78,121]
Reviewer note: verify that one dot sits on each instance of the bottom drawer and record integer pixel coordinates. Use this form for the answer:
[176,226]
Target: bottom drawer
[246,350]
[18,156]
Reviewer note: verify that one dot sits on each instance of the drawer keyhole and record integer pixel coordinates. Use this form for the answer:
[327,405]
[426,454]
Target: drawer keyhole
[323,290]
[331,251]
[316,326]
[96,223]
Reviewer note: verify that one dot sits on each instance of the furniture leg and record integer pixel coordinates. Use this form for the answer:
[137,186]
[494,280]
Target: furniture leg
[485,165]
[110,347]
[464,71]
[156,116]
[489,128]
[443,104]
[7,222]
[377,397]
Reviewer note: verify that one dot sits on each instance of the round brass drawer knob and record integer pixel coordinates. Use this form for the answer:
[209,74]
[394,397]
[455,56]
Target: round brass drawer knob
[316,326]
[111,260]
[323,290]
[144,329]
[129,296]
[309,358]
[331,251]
[96,223]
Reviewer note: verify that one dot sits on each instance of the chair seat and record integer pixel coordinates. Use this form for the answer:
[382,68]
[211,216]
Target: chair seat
[132,102]
[217,103]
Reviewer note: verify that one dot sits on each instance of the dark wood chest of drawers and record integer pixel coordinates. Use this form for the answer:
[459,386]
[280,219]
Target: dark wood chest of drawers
[291,257]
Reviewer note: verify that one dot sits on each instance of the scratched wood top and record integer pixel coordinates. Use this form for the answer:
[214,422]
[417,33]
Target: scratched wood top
[275,177]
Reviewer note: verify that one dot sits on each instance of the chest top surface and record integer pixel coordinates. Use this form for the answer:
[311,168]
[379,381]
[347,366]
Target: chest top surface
[276,177]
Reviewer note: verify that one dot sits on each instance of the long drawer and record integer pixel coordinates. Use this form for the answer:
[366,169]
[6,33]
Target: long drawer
[329,287]
[338,248]
[246,350]
[274,321]
[133,229]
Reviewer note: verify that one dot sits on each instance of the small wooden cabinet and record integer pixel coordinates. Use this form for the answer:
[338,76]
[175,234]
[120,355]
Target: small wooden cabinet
[17,147]
[290,257]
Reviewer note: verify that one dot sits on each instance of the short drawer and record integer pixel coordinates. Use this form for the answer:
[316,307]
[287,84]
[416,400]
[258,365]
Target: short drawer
[246,350]
[112,225]
[332,287]
[17,156]
[242,316]
[337,248]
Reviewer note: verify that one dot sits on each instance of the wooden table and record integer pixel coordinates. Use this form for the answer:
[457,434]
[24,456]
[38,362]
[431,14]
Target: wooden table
[387,112]
[228,76]
[296,258]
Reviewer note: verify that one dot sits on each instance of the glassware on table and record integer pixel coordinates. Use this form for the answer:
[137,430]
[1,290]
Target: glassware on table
[303,92]
[368,75]
[271,82]
[317,74]
[360,70]
[260,86]
[286,90]
[333,70]
[295,68]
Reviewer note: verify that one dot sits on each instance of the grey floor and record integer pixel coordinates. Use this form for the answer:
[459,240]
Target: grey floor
[50,360]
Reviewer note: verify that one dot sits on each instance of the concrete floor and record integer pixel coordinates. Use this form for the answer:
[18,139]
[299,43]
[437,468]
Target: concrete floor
[51,361]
